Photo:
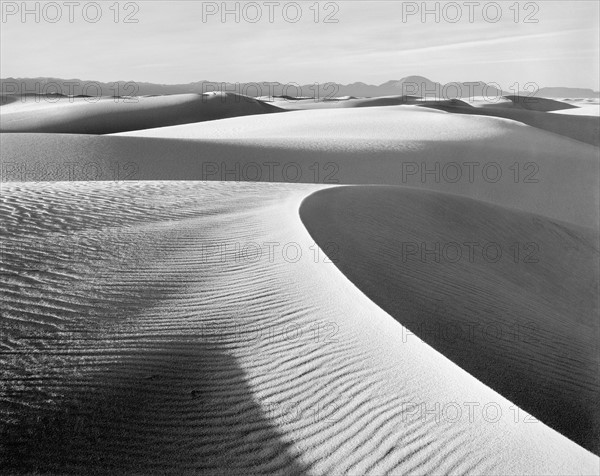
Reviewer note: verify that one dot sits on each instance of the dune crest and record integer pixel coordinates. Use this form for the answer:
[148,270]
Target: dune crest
[168,337]
[532,111]
[511,297]
[510,164]
[119,114]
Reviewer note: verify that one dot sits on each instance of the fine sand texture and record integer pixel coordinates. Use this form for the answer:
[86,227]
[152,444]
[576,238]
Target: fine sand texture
[509,296]
[216,284]
[138,338]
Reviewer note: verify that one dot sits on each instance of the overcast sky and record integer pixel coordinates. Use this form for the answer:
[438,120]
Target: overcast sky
[371,42]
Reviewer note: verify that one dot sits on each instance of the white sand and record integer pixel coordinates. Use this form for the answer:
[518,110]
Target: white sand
[169,349]
[582,110]
[522,296]
[136,337]
[540,172]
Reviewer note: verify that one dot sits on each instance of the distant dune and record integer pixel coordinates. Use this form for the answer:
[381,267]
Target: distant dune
[522,318]
[347,102]
[79,115]
[120,114]
[7,99]
[539,103]
[395,145]
[583,109]
[579,127]
[519,108]
[399,144]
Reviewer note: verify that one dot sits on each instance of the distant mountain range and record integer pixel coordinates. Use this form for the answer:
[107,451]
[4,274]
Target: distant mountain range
[410,85]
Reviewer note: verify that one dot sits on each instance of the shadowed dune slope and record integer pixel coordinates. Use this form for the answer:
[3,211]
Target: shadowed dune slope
[519,311]
[341,103]
[533,103]
[138,338]
[161,407]
[110,115]
[7,99]
[582,128]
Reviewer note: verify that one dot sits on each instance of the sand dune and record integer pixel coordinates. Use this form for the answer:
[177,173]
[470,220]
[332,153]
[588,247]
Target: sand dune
[400,145]
[517,309]
[7,99]
[524,109]
[345,102]
[534,103]
[109,115]
[579,127]
[583,107]
[157,325]
[292,103]
[70,115]
[135,357]
[583,110]
[518,166]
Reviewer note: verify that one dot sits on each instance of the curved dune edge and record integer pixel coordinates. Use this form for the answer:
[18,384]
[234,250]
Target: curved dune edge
[580,127]
[539,103]
[517,308]
[142,362]
[69,115]
[119,114]
[525,168]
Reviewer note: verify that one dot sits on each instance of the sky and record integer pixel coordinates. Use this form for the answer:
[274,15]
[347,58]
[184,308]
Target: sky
[549,43]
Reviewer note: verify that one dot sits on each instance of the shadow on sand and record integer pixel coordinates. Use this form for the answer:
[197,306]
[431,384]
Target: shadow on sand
[184,407]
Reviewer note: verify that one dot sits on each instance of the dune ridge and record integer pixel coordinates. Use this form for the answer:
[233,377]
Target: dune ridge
[166,307]
[521,318]
[164,297]
[106,115]
[540,104]
[579,127]
[393,145]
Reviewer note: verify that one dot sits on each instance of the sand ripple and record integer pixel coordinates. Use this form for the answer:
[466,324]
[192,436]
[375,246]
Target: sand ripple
[162,349]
